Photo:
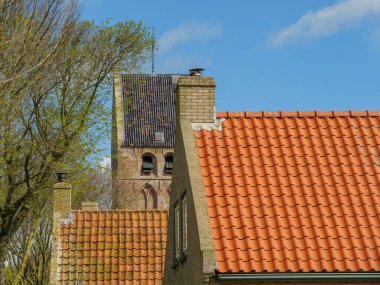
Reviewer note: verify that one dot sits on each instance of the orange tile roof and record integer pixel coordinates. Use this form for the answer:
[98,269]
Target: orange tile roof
[293,191]
[113,247]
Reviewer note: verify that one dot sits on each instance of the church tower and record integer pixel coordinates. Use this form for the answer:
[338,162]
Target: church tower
[143,133]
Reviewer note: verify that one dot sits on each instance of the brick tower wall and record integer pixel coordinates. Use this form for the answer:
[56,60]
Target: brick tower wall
[130,182]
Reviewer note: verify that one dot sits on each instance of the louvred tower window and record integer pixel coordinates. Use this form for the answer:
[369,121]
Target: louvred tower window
[147,164]
[169,164]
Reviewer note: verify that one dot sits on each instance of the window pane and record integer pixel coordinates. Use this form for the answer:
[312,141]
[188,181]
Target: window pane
[184,224]
[177,231]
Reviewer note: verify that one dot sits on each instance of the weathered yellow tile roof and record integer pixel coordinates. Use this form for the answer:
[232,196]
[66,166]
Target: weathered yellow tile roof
[113,247]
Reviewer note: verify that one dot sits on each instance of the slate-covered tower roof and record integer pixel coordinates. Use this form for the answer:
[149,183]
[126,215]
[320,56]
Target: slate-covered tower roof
[149,109]
[143,133]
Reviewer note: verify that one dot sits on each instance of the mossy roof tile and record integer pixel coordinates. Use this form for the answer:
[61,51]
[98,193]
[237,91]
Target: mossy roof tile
[93,250]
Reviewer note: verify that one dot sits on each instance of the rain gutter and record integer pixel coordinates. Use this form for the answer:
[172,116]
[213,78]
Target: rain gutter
[296,276]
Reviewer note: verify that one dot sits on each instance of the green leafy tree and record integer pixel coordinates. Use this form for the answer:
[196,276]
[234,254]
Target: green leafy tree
[29,251]
[53,107]
[92,184]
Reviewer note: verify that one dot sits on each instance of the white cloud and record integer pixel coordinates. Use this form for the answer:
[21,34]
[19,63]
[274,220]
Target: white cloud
[106,162]
[188,32]
[326,21]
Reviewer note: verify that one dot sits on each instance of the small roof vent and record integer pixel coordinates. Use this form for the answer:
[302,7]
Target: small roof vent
[196,71]
[159,137]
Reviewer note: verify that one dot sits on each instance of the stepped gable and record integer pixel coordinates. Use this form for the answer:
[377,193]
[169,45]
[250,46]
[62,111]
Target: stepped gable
[149,108]
[293,191]
[113,247]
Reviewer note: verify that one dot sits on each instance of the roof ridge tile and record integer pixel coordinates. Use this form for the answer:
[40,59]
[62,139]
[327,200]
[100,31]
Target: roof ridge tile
[121,211]
[297,114]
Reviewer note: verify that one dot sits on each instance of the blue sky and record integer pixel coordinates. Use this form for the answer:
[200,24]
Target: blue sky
[266,55]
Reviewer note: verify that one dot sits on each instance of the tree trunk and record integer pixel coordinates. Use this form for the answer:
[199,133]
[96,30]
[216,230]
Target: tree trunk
[3,252]
[26,253]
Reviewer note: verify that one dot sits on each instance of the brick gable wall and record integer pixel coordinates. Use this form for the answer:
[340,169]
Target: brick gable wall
[199,263]
[189,271]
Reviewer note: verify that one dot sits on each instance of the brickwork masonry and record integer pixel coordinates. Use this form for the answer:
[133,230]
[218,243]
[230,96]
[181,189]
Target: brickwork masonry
[61,214]
[195,107]
[130,182]
[195,101]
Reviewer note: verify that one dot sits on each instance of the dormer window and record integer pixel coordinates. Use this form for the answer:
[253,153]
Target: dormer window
[147,164]
[168,164]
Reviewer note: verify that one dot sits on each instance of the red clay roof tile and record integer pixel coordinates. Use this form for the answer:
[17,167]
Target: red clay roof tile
[113,247]
[293,191]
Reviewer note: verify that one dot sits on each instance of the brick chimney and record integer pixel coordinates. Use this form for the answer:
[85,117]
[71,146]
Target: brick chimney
[195,98]
[62,197]
[61,215]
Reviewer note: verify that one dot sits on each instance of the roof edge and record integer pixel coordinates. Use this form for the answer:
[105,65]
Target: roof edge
[123,211]
[297,114]
[205,236]
[297,276]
